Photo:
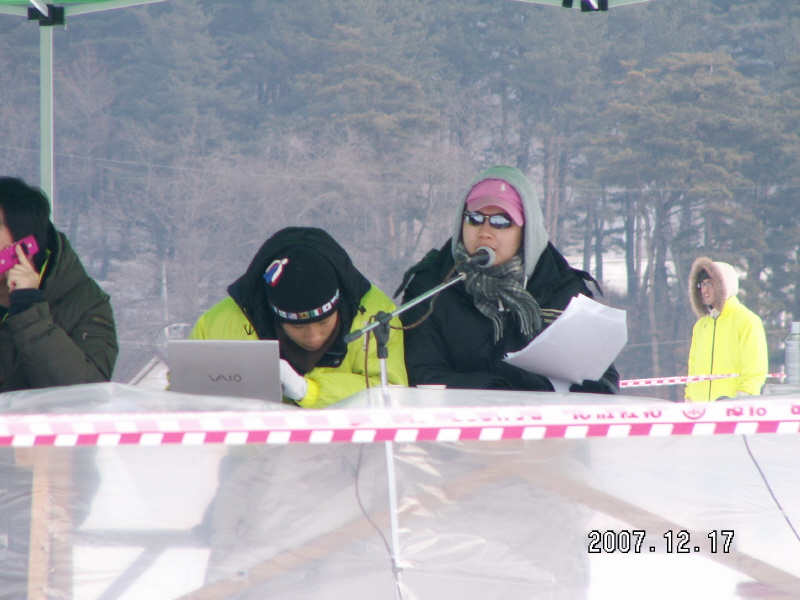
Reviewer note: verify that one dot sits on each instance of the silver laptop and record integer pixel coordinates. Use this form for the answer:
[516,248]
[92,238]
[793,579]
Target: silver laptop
[239,368]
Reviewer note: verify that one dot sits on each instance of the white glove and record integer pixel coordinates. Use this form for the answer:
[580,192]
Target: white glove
[294,385]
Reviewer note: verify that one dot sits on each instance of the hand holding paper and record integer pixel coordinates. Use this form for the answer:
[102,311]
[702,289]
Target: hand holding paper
[580,344]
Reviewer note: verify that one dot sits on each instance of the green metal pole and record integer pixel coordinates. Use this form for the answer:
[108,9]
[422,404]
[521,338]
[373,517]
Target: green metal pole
[46,156]
[46,175]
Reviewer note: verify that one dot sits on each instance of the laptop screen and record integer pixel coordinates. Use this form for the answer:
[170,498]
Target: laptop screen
[238,368]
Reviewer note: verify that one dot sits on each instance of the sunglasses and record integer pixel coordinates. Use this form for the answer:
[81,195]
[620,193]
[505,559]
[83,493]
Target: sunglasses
[477,219]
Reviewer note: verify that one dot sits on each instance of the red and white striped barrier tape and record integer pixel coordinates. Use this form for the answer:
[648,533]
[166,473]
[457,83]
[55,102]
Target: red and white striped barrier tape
[403,425]
[682,379]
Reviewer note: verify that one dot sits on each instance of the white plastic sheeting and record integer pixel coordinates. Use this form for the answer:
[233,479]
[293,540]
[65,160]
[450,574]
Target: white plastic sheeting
[467,519]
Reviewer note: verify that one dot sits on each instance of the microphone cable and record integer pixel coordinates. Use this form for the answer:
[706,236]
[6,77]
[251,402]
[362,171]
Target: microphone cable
[769,488]
[429,312]
[424,317]
[395,567]
[490,259]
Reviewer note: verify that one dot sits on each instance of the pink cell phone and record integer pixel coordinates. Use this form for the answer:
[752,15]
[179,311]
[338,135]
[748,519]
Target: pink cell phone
[8,257]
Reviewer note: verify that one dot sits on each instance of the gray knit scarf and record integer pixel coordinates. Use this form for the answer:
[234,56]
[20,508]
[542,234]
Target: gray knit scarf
[500,288]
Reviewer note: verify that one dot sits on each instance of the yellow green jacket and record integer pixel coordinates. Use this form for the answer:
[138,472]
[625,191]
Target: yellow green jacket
[326,385]
[733,342]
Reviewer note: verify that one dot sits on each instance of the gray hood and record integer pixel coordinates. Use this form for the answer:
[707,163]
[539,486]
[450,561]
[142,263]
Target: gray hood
[534,234]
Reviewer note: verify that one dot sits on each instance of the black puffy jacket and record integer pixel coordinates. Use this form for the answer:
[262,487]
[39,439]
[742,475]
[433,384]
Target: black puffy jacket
[455,345]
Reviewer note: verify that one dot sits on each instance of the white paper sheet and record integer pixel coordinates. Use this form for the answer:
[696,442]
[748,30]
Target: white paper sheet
[580,344]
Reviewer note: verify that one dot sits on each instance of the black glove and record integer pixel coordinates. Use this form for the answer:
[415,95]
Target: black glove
[519,379]
[589,386]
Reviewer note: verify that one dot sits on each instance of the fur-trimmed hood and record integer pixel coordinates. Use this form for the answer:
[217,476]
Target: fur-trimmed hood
[724,278]
[534,235]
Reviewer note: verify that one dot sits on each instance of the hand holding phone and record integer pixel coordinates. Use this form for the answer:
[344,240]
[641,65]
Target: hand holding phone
[9,258]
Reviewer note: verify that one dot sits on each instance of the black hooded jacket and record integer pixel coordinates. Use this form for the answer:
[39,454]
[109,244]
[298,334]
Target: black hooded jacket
[343,369]
[249,290]
[455,345]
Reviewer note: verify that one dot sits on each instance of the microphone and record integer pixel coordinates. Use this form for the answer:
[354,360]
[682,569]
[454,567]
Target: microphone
[484,257]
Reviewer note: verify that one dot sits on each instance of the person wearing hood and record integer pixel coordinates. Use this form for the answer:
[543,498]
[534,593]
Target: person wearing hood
[302,289]
[56,329]
[499,308]
[728,338]
[56,324]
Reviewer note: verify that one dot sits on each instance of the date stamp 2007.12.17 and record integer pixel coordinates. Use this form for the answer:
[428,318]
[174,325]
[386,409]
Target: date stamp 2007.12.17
[678,542]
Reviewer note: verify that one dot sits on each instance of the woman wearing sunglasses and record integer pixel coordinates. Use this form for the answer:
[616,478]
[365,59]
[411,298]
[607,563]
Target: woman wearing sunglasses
[500,307]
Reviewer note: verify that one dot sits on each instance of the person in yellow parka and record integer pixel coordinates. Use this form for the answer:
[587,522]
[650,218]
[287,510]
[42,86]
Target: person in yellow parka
[728,337]
[303,290]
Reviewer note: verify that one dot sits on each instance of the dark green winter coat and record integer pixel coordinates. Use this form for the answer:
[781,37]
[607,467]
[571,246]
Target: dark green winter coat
[68,338]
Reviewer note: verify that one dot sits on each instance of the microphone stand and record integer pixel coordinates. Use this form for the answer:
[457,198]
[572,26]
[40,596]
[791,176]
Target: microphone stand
[381,327]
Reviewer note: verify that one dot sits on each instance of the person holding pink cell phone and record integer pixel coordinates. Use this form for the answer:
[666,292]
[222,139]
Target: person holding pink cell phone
[56,324]
[56,329]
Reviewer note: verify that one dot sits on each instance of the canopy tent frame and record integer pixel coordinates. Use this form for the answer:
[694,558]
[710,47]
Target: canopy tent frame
[49,16]
[584,5]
